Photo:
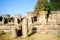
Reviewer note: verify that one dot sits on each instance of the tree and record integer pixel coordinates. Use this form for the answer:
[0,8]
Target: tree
[38,6]
[44,5]
[55,4]
[47,7]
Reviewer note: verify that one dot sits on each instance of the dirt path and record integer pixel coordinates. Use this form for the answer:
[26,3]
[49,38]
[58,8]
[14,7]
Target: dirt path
[47,36]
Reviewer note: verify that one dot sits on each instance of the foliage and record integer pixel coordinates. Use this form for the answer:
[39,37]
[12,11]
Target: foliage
[46,6]
[38,6]
[43,5]
[53,6]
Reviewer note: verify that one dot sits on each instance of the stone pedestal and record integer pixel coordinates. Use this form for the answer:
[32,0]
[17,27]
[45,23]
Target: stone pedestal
[24,28]
[14,32]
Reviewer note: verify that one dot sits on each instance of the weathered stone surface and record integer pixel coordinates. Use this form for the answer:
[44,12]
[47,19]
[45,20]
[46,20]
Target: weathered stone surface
[29,20]
[29,17]
[30,14]
[40,25]
[58,17]
[56,32]
[24,27]
[17,18]
[53,17]
[1,31]
[14,32]
[19,27]
[15,21]
[42,17]
[5,18]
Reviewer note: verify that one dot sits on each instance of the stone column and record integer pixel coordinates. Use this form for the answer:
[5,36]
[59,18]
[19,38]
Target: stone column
[58,17]
[29,20]
[14,32]
[42,17]
[14,28]
[24,27]
[54,17]
[3,20]
[15,21]
[29,17]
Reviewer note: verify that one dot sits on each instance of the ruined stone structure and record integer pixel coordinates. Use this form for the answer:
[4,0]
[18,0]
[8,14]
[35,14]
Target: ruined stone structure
[25,27]
[31,22]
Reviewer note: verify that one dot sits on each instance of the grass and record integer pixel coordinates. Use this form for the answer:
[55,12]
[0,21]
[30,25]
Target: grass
[36,36]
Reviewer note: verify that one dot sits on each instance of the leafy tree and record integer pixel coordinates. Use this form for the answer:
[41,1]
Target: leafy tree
[44,5]
[47,7]
[38,6]
[55,5]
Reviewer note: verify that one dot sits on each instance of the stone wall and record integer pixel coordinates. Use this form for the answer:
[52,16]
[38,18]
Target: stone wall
[51,26]
[41,25]
[29,17]
[42,17]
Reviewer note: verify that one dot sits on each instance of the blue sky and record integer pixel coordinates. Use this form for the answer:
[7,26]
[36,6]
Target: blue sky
[48,0]
[16,6]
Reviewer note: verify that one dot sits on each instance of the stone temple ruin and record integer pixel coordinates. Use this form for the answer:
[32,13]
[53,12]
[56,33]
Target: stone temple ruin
[21,25]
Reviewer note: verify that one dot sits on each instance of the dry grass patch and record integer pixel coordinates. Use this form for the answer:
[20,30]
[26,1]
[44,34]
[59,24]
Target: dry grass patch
[35,36]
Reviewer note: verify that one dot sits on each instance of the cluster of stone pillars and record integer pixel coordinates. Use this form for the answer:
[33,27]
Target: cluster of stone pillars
[41,19]
[24,28]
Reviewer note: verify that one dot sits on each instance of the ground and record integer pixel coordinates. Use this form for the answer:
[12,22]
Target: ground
[35,36]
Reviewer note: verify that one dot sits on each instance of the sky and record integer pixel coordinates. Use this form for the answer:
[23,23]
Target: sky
[13,7]
[48,0]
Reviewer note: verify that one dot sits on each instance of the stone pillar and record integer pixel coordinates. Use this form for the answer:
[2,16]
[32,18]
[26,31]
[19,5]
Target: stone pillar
[42,17]
[3,20]
[29,17]
[58,17]
[5,16]
[15,21]
[54,17]
[14,32]
[29,20]
[24,27]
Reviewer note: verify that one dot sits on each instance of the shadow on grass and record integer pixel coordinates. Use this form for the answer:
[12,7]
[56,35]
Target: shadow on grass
[2,32]
[34,30]
[19,32]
